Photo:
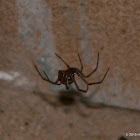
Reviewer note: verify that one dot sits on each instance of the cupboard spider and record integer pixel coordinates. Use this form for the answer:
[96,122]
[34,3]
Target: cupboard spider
[67,77]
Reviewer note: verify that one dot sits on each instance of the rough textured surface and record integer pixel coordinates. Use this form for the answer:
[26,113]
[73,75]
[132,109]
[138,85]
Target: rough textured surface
[37,116]
[32,31]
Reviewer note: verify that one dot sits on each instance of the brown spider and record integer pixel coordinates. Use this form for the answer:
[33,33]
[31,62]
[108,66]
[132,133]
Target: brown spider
[67,77]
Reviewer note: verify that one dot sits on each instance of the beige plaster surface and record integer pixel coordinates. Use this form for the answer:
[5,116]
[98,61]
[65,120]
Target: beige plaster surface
[31,32]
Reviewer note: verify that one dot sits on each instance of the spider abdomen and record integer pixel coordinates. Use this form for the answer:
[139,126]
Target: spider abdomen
[65,76]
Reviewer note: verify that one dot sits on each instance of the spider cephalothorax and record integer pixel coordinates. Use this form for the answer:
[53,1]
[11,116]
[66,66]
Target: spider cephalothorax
[67,77]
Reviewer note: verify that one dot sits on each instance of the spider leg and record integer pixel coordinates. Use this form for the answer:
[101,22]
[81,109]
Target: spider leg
[73,78]
[62,60]
[47,79]
[94,69]
[67,85]
[101,80]
[81,63]
[55,83]
[79,73]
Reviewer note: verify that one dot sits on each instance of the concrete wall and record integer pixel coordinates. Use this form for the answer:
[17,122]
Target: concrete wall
[32,31]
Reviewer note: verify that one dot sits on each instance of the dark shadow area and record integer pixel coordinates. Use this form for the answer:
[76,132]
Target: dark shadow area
[71,97]
[67,98]
[64,98]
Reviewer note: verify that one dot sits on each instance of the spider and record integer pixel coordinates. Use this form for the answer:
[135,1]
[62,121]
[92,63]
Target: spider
[67,77]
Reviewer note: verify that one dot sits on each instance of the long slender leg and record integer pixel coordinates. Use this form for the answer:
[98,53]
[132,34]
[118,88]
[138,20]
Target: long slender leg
[79,73]
[62,60]
[78,86]
[55,83]
[48,80]
[82,77]
[94,69]
[67,85]
[81,63]
[101,80]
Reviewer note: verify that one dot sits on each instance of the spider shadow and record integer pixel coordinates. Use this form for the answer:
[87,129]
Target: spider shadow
[64,98]
[71,97]
[81,102]
[67,98]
